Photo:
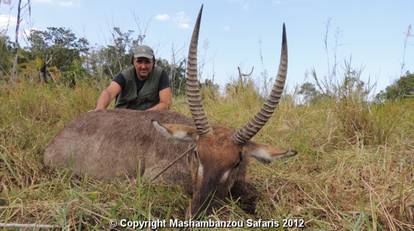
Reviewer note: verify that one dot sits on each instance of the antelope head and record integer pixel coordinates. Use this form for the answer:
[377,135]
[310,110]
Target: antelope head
[220,156]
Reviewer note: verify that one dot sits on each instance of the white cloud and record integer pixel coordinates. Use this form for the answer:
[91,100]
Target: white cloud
[68,3]
[182,20]
[43,1]
[62,3]
[8,26]
[183,25]
[162,17]
[6,21]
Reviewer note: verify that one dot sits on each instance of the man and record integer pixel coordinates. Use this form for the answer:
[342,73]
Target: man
[142,86]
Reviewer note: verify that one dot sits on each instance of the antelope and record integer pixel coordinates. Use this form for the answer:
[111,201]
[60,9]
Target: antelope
[105,144]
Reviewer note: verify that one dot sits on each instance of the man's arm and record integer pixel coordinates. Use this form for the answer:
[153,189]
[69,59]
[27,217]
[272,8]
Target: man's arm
[165,100]
[108,95]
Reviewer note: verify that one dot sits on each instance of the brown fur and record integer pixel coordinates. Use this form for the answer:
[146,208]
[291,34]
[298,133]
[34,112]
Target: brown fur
[217,153]
[108,143]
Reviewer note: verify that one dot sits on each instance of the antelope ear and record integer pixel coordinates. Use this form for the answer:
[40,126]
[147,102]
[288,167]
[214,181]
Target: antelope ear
[176,131]
[266,153]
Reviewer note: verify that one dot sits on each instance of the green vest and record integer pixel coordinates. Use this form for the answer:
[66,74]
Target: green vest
[146,98]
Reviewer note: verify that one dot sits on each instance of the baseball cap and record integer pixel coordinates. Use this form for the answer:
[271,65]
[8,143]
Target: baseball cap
[143,51]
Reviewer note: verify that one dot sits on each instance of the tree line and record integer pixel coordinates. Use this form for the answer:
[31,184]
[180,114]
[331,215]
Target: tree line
[57,55]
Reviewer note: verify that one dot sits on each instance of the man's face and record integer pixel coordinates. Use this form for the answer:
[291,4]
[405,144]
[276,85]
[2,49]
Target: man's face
[143,67]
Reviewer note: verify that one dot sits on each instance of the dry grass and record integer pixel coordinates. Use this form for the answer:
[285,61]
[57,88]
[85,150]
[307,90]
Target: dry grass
[354,170]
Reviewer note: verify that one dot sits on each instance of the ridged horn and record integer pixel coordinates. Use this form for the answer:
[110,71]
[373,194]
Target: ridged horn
[192,89]
[259,120]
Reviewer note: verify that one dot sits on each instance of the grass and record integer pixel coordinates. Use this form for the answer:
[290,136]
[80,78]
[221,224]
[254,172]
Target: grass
[354,170]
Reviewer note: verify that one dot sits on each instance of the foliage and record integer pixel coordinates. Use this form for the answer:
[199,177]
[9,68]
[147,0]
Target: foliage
[58,55]
[209,89]
[239,87]
[6,57]
[349,85]
[176,74]
[55,47]
[112,59]
[58,44]
[310,94]
[402,88]
[352,106]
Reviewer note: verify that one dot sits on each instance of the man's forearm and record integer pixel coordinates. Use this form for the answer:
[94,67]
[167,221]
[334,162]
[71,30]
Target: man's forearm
[103,100]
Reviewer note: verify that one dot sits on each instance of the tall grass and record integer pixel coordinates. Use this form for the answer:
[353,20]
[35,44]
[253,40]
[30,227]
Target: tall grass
[354,170]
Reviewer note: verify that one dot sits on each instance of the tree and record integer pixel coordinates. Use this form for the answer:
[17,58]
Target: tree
[309,92]
[19,19]
[59,47]
[400,89]
[176,74]
[6,57]
[210,89]
[110,60]
[348,86]
[352,87]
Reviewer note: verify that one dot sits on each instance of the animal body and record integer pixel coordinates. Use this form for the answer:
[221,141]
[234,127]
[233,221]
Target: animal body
[114,143]
[109,143]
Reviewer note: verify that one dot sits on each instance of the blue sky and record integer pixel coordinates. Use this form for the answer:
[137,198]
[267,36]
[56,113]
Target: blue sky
[234,31]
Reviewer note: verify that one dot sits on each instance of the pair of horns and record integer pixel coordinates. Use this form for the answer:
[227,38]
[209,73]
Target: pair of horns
[254,125]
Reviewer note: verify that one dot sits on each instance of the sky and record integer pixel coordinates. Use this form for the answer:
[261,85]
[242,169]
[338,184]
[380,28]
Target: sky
[247,33]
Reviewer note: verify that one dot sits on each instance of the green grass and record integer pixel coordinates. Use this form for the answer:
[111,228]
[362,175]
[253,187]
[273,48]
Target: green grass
[354,170]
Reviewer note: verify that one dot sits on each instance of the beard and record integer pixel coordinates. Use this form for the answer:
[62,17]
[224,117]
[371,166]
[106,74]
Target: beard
[143,75]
